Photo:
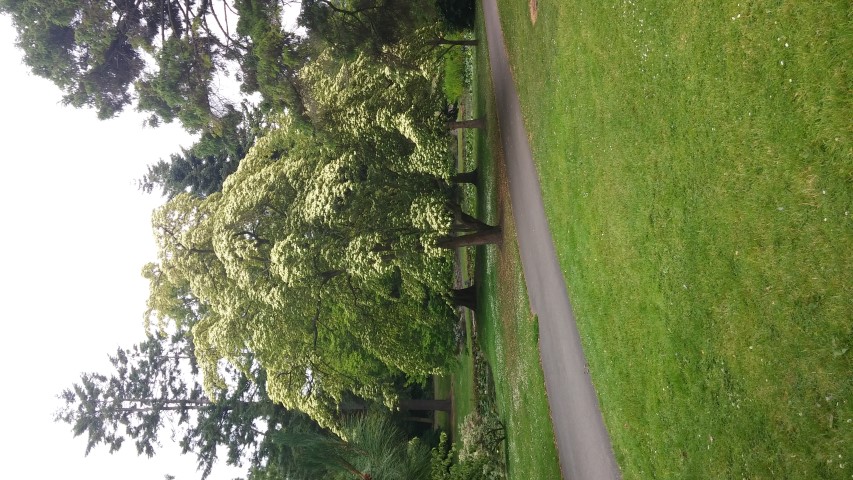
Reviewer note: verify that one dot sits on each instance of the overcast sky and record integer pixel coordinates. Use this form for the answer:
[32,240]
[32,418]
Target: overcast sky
[74,234]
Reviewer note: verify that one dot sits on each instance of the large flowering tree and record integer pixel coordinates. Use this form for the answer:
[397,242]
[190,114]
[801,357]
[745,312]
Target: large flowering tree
[321,276]
[396,105]
[320,255]
[393,104]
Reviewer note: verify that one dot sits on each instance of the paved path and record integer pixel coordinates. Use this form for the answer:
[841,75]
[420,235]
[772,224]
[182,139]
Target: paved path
[582,440]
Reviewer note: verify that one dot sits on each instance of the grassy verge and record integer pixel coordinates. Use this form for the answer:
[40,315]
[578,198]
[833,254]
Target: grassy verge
[697,167]
[506,332]
[442,388]
[459,386]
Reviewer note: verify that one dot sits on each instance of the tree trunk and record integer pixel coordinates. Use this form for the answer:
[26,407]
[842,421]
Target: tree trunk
[447,41]
[403,404]
[352,469]
[462,222]
[424,404]
[330,274]
[487,236]
[465,177]
[475,123]
[418,420]
[466,297]
[353,406]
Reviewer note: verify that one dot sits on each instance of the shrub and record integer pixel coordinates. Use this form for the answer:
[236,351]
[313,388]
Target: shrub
[457,14]
[478,457]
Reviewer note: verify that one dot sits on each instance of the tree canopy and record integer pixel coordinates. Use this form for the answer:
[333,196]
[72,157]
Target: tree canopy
[365,26]
[96,53]
[320,256]
[288,272]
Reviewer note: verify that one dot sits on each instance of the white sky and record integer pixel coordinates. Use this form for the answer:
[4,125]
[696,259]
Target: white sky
[74,234]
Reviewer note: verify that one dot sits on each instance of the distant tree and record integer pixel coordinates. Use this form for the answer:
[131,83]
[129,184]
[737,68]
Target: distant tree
[201,169]
[155,384]
[188,172]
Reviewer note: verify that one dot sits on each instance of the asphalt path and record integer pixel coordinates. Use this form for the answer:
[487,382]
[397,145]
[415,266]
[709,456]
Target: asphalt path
[582,440]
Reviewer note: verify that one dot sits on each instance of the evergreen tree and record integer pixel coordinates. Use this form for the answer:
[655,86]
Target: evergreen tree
[156,384]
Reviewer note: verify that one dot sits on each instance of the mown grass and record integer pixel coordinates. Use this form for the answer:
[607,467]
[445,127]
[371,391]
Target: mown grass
[506,331]
[697,167]
[458,385]
[441,389]
[454,75]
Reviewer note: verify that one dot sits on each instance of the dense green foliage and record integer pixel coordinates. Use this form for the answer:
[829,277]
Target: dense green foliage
[272,59]
[450,462]
[319,254]
[95,53]
[320,289]
[155,385]
[371,446]
[354,26]
[85,51]
[457,14]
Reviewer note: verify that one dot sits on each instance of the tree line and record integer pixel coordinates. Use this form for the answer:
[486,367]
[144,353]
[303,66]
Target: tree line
[303,266]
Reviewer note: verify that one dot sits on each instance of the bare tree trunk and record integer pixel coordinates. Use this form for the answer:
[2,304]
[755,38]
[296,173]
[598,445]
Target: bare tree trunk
[447,41]
[487,236]
[466,297]
[474,123]
[430,404]
[462,222]
[465,177]
[419,420]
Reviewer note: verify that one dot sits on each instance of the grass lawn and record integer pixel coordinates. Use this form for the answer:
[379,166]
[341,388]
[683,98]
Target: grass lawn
[459,385]
[697,167]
